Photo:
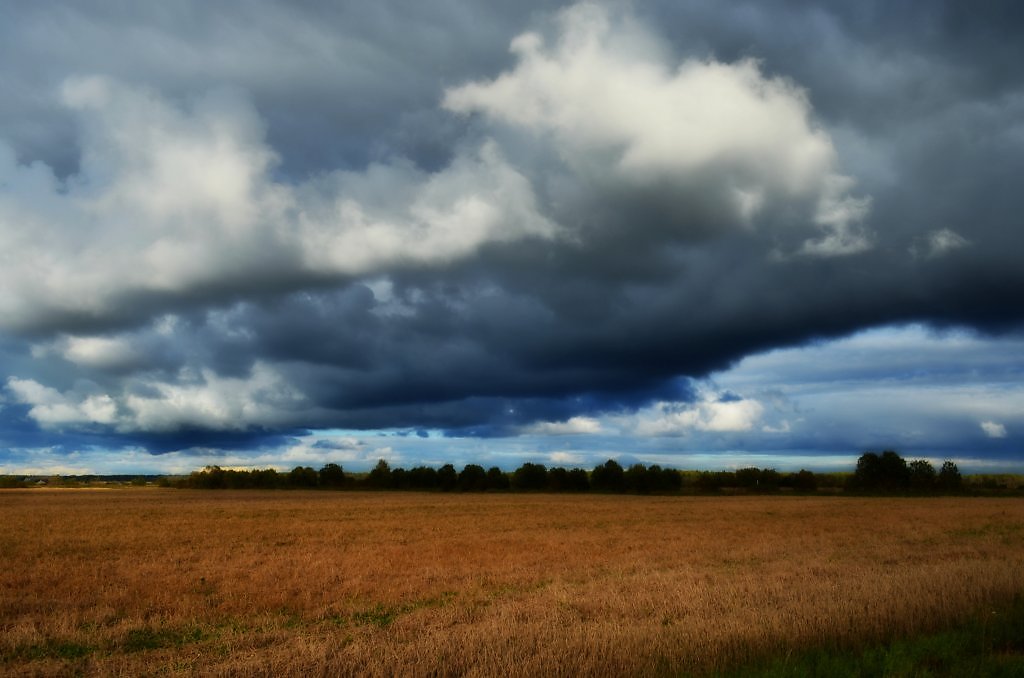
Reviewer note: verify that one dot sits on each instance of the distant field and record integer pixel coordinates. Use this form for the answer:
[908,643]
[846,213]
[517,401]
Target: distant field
[241,583]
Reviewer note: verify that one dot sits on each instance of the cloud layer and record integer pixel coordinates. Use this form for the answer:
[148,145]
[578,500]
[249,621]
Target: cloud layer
[232,227]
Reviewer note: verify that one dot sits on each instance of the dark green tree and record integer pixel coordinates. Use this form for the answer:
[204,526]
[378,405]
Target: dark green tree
[895,472]
[497,479]
[473,478]
[949,479]
[770,480]
[423,478]
[804,481]
[710,481]
[267,478]
[748,478]
[577,480]
[210,478]
[558,479]
[608,477]
[302,476]
[868,475]
[530,477]
[922,475]
[636,479]
[887,472]
[447,478]
[380,477]
[332,476]
[400,479]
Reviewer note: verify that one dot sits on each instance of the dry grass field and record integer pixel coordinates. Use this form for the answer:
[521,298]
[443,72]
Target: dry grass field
[157,582]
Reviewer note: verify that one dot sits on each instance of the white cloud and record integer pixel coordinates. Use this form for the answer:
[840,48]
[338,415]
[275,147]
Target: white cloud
[53,409]
[783,427]
[102,352]
[264,398]
[609,97]
[993,429]
[204,399]
[938,243]
[573,426]
[840,217]
[175,198]
[478,199]
[707,415]
[566,458]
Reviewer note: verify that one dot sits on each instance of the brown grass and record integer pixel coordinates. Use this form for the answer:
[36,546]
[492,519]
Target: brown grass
[156,581]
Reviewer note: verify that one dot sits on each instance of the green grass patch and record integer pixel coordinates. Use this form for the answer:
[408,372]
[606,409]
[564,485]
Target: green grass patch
[382,616]
[143,639]
[379,616]
[989,645]
[54,649]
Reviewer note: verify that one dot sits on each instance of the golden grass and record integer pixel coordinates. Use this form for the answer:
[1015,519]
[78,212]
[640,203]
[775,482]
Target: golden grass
[151,581]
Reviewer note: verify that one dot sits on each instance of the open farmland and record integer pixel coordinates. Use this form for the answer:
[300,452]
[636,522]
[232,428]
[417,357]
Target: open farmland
[250,583]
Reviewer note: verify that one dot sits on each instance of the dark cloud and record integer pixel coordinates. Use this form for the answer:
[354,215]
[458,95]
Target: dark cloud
[493,266]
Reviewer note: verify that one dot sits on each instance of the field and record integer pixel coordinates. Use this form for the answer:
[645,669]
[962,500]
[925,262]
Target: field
[155,581]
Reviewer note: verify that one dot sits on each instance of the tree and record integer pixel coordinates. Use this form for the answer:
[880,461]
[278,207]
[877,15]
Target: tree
[267,478]
[713,481]
[423,478]
[530,477]
[868,474]
[770,480]
[669,480]
[804,481]
[922,475]
[577,480]
[558,479]
[949,479]
[473,478]
[497,479]
[896,475]
[636,479]
[748,478]
[332,475]
[380,477]
[608,477]
[447,478]
[400,479]
[885,473]
[302,476]
[210,478]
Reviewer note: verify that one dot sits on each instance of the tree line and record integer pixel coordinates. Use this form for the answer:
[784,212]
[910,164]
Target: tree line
[889,473]
[885,473]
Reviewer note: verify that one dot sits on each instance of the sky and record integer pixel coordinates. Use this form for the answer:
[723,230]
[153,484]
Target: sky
[701,234]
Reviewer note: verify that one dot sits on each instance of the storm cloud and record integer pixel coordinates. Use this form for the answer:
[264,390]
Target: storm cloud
[225,228]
